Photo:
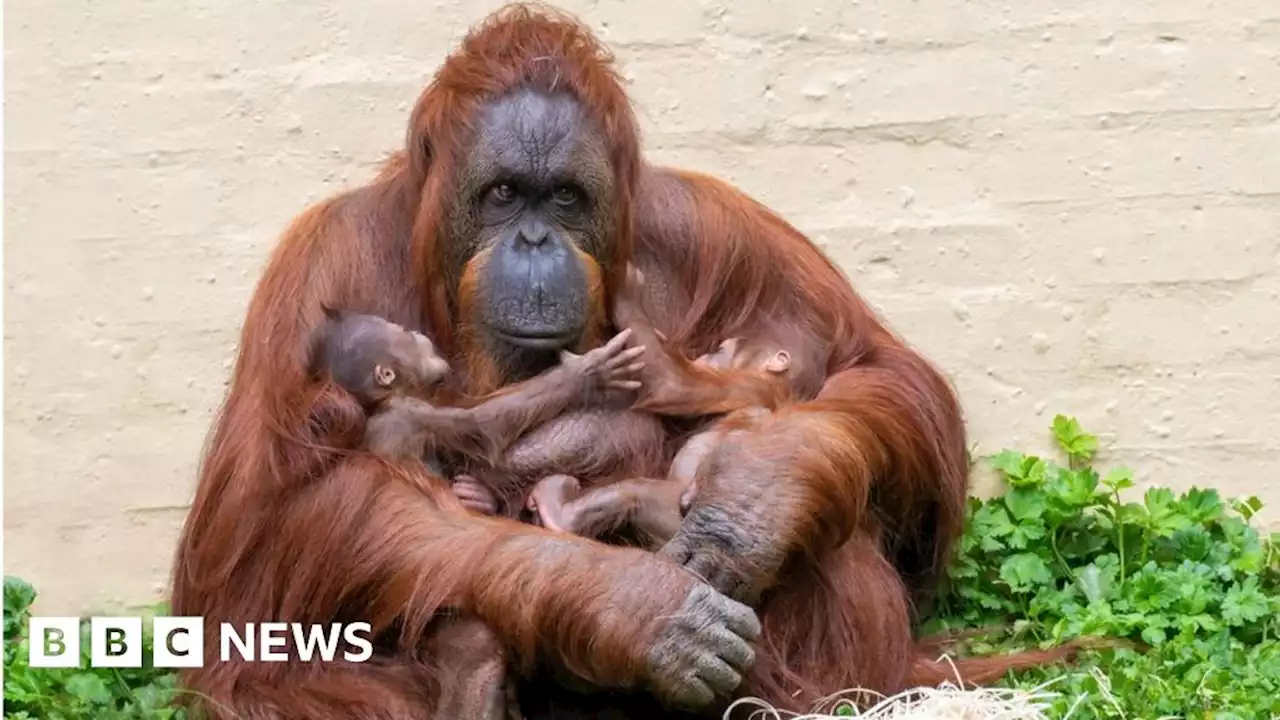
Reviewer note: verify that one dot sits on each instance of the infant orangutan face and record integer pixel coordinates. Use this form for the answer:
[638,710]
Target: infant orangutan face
[376,359]
[408,362]
[737,353]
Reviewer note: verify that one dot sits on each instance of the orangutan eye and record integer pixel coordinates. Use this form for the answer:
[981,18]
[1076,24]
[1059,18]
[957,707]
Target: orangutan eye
[566,196]
[502,193]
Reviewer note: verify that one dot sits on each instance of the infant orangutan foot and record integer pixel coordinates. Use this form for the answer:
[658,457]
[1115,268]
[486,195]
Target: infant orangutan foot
[550,500]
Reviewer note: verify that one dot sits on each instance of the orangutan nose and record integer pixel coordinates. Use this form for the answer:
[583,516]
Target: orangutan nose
[533,234]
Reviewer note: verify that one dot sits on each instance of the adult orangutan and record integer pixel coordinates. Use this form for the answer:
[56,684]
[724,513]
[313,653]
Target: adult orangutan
[500,232]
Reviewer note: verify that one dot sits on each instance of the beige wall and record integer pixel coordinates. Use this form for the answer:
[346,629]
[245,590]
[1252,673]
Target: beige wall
[1071,206]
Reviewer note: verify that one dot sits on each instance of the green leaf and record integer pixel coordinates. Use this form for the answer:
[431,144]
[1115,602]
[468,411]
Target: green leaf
[18,598]
[1197,623]
[1251,560]
[1150,590]
[1247,507]
[1154,635]
[18,594]
[1245,604]
[1131,513]
[1164,513]
[1071,491]
[991,524]
[1009,463]
[1020,470]
[1079,445]
[1033,474]
[1083,541]
[1118,479]
[1024,571]
[1024,534]
[1094,583]
[1202,506]
[1193,543]
[1025,503]
[89,688]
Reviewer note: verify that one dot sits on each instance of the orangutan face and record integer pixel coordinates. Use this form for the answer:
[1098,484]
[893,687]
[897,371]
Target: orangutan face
[533,224]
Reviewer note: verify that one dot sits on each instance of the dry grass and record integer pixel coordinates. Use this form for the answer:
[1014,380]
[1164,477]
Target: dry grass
[946,702]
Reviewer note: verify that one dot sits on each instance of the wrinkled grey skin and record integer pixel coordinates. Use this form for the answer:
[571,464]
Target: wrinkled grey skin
[704,649]
[724,538]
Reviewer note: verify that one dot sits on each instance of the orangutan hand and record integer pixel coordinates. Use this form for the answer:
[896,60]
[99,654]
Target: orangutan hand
[550,499]
[744,522]
[703,650]
[659,630]
[614,366]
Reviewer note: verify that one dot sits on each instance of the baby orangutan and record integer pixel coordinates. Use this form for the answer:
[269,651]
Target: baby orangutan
[653,508]
[392,371]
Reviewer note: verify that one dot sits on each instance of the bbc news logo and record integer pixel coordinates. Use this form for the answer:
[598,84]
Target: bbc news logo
[116,642]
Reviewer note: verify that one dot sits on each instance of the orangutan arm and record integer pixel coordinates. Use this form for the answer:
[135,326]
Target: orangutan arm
[801,480]
[403,555]
[692,391]
[885,428]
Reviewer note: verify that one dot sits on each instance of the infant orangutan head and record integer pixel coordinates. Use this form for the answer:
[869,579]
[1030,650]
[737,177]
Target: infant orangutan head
[374,358]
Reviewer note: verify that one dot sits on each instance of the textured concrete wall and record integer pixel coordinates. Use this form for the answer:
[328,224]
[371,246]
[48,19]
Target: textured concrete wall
[1071,207]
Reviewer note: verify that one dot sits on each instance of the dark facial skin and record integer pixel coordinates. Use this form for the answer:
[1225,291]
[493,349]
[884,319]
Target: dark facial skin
[375,359]
[536,194]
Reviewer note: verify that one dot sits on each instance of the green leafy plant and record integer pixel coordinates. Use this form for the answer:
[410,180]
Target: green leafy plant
[77,693]
[1061,554]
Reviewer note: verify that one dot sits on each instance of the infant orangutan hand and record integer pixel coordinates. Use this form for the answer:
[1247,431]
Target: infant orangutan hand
[474,495]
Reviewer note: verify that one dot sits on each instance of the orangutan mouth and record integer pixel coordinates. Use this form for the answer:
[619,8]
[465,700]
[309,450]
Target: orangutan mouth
[548,340]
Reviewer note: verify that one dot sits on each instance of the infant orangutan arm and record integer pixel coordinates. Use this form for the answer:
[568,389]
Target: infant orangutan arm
[676,386]
[487,428]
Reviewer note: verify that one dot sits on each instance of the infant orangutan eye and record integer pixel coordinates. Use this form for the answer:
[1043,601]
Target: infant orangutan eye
[384,376]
